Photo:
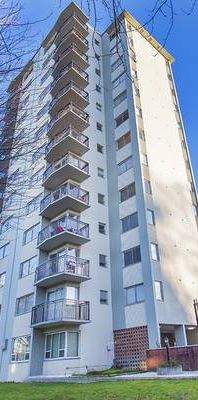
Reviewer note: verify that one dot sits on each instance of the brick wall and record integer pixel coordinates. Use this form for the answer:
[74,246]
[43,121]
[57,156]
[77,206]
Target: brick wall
[188,357]
[130,346]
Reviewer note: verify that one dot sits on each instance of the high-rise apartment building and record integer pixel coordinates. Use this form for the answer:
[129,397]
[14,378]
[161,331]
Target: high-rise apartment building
[99,239]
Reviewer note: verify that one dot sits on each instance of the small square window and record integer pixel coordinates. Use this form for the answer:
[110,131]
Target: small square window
[100,148]
[144,159]
[159,290]
[101,228]
[102,260]
[98,106]
[147,185]
[99,126]
[97,42]
[98,88]
[100,172]
[103,297]
[150,217]
[97,56]
[142,135]
[154,252]
[97,71]
[101,198]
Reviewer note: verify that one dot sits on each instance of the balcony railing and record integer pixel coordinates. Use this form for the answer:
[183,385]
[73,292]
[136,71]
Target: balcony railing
[73,86]
[64,224]
[80,21]
[69,107]
[63,134]
[62,265]
[77,33]
[68,67]
[60,310]
[67,189]
[67,51]
[67,159]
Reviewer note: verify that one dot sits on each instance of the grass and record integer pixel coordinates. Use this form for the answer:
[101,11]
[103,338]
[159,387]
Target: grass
[136,390]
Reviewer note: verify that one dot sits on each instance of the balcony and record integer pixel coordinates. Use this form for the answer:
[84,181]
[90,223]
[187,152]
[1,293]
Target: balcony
[71,72]
[71,92]
[64,268]
[72,21]
[67,167]
[60,312]
[69,115]
[64,230]
[66,140]
[68,197]
[71,53]
[70,37]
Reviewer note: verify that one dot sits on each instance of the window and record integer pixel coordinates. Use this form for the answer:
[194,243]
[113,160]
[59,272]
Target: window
[147,185]
[103,297]
[129,222]
[127,192]
[139,112]
[28,267]
[101,228]
[7,224]
[2,279]
[4,251]
[24,304]
[159,295]
[125,165]
[98,88]
[118,80]
[100,148]
[142,135]
[97,71]
[123,140]
[102,260]
[97,42]
[37,177]
[31,234]
[41,131]
[98,106]
[120,98]
[33,204]
[116,49]
[150,217]
[100,172]
[121,118]
[135,294]
[44,92]
[154,252]
[144,159]
[43,110]
[62,344]
[137,92]
[116,64]
[132,256]
[40,152]
[101,198]
[97,56]
[48,59]
[14,177]
[20,349]
[47,74]
[99,126]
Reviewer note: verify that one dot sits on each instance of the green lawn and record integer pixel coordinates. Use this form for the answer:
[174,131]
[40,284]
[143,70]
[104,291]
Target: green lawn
[136,390]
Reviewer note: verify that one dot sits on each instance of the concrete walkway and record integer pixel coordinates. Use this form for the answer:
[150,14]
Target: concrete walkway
[117,378]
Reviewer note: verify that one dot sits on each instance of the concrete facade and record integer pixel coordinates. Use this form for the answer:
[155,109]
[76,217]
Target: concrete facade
[113,154]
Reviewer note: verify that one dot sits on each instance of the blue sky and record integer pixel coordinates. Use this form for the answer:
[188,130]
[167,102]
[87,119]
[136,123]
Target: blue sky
[182,44]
